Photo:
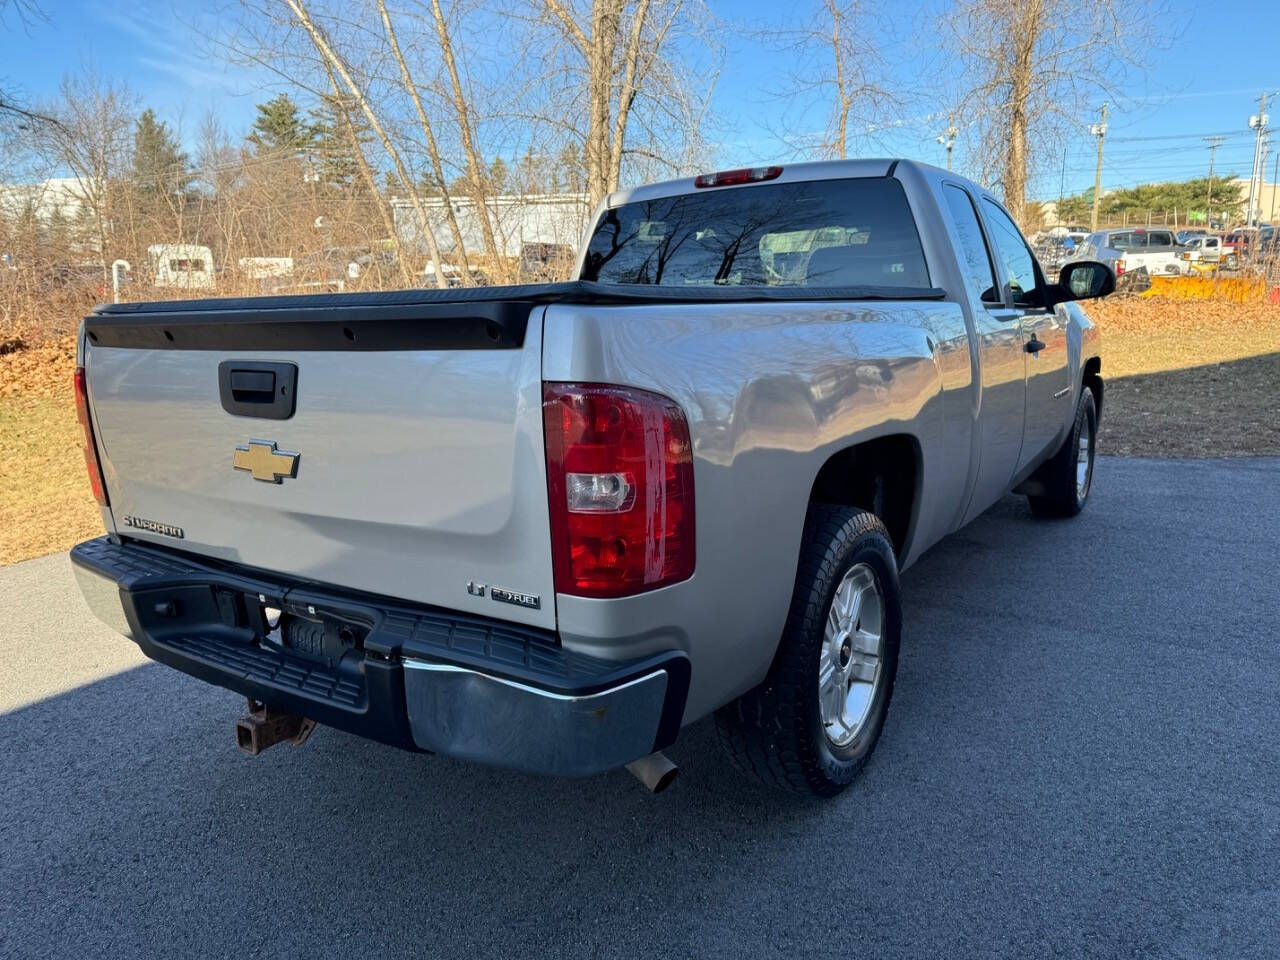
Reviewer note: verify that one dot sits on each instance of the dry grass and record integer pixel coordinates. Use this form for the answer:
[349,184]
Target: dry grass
[45,502]
[1183,379]
[1154,335]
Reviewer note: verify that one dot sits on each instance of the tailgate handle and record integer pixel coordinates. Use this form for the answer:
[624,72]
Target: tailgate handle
[258,388]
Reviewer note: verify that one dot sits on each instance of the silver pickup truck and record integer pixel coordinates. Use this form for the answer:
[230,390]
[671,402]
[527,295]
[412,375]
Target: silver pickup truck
[545,527]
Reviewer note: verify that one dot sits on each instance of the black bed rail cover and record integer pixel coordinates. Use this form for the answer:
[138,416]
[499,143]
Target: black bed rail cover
[475,318]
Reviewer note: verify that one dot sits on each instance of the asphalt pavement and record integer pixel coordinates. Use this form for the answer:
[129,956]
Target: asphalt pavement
[1082,759]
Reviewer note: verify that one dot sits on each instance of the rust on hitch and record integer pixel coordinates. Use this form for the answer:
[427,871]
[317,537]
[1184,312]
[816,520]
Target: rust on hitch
[266,726]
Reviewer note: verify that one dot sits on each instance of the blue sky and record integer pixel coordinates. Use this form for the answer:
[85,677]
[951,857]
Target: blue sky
[1204,82]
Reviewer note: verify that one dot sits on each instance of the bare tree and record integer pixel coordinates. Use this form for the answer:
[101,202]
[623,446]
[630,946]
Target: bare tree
[332,60]
[91,137]
[341,105]
[474,163]
[623,55]
[429,136]
[853,86]
[1031,69]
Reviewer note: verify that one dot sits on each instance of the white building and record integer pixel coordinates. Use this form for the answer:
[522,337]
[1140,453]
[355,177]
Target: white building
[47,199]
[559,219]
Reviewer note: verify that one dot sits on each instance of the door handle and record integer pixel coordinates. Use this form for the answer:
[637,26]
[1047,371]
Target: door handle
[1034,345]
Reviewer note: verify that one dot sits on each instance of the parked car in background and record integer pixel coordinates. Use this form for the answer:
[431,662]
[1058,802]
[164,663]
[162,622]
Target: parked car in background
[543,262]
[1244,241]
[1184,236]
[1054,252]
[453,275]
[1206,252]
[546,526]
[1134,253]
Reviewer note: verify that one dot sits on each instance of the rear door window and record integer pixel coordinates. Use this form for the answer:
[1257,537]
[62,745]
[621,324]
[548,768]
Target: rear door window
[809,234]
[1015,255]
[975,258]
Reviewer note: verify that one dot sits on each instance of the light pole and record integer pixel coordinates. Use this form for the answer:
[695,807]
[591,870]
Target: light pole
[1275,186]
[1098,130]
[948,138]
[1257,122]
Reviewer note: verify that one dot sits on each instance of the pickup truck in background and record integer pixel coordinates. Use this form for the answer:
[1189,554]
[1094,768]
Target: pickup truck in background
[1207,253]
[546,526]
[1134,254]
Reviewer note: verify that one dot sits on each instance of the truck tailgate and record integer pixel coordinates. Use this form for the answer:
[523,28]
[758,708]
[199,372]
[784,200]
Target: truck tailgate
[418,434]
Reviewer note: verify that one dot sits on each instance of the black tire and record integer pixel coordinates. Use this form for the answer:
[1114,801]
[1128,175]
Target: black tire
[775,733]
[1062,496]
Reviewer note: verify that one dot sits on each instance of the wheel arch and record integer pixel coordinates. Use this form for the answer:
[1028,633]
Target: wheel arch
[883,476]
[1091,378]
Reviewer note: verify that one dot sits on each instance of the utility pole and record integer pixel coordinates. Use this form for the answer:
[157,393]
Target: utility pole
[1214,143]
[1275,185]
[948,137]
[1263,149]
[1098,130]
[1257,122]
[1062,186]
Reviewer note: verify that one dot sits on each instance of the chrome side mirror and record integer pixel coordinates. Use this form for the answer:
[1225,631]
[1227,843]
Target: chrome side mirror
[1086,280]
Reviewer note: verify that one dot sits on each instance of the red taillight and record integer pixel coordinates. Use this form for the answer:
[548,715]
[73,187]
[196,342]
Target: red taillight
[1119,265]
[731,178]
[620,487]
[90,448]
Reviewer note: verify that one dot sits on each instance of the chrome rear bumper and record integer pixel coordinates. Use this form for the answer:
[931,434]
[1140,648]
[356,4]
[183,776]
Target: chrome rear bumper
[474,716]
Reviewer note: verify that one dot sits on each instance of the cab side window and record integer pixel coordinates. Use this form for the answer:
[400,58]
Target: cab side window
[1014,255]
[975,259]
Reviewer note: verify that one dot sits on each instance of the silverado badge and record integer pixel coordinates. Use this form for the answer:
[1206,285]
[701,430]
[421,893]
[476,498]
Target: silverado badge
[265,462]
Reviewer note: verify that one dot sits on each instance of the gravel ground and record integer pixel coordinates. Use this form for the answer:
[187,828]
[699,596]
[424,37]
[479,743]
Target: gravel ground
[1081,760]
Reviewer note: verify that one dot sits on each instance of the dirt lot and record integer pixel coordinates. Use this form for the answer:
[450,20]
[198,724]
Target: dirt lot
[1183,379]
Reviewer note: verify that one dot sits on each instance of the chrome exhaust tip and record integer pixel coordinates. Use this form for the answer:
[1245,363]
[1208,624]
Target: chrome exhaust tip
[655,771]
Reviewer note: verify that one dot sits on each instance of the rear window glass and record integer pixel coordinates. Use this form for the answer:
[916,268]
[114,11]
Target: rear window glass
[820,233]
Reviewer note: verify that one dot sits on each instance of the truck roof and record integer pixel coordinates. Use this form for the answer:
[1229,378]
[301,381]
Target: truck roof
[791,172]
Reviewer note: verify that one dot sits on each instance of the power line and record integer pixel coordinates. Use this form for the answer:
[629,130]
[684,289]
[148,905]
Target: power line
[1178,136]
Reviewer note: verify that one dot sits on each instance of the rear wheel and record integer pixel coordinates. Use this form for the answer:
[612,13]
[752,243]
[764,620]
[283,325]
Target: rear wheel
[1067,478]
[813,723]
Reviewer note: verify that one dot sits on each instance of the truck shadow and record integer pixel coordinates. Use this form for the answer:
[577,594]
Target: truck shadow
[1213,410]
[132,824]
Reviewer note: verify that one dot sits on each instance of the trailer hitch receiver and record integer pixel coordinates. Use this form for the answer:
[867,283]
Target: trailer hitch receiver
[265,726]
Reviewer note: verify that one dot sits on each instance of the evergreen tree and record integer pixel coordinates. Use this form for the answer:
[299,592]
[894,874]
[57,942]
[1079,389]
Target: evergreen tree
[1183,196]
[160,168]
[331,143]
[496,179]
[429,186]
[531,180]
[573,174]
[280,127]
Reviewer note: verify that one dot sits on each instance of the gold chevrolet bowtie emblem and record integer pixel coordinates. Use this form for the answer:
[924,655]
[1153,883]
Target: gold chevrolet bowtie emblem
[264,461]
